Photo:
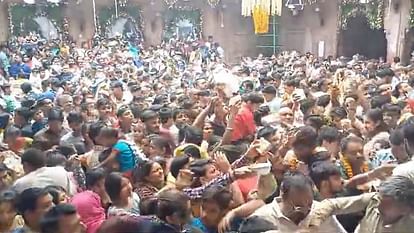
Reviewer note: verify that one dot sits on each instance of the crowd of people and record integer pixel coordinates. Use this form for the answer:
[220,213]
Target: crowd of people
[111,137]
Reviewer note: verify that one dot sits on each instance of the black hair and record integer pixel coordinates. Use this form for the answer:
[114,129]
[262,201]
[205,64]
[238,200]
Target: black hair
[24,112]
[199,167]
[34,157]
[376,115]
[350,139]
[103,102]
[323,101]
[177,164]
[55,114]
[265,132]
[74,117]
[171,202]
[397,137]
[307,136]
[113,185]
[322,171]
[55,158]
[94,176]
[50,221]
[55,191]
[291,83]
[27,200]
[148,115]
[253,97]
[12,131]
[392,108]
[193,135]
[142,171]
[218,194]
[329,134]
[109,132]
[95,130]
[295,180]
[315,121]
[9,196]
[148,206]
[379,100]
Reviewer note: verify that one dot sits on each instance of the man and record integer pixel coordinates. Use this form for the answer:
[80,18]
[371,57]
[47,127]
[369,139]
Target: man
[327,179]
[40,176]
[216,202]
[32,205]
[274,103]
[397,153]
[4,61]
[151,121]
[51,135]
[291,211]
[119,96]
[389,210]
[22,119]
[62,218]
[244,125]
[352,161]
[286,117]
[329,139]
[19,69]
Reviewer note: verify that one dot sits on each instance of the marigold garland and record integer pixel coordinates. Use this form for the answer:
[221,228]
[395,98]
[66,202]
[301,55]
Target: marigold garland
[260,20]
[348,167]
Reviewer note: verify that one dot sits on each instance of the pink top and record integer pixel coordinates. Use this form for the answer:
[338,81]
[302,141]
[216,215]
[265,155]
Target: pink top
[89,207]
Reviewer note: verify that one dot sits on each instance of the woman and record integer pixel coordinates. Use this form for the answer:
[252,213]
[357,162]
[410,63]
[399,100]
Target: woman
[90,210]
[124,201]
[148,179]
[375,130]
[401,91]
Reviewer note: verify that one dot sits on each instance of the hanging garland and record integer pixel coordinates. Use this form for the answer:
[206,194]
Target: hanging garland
[213,3]
[107,16]
[174,15]
[271,7]
[373,11]
[21,17]
[411,19]
[260,20]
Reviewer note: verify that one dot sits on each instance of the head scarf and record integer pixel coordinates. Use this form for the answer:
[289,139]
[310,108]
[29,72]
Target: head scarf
[88,205]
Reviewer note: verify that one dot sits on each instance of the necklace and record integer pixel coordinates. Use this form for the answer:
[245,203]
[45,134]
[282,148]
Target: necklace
[348,167]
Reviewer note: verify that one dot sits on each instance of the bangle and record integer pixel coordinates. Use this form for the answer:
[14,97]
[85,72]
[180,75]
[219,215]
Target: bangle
[229,129]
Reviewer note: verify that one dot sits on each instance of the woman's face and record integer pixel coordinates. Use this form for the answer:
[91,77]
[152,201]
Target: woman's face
[156,175]
[126,189]
[211,173]
[370,125]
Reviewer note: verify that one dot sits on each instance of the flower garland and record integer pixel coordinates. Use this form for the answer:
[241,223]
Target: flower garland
[373,11]
[271,7]
[213,3]
[348,167]
[21,17]
[260,20]
[411,18]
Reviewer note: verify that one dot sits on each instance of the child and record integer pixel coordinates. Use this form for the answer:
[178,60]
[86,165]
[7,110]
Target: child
[121,156]
[9,219]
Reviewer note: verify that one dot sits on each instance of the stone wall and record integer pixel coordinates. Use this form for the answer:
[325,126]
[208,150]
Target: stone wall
[304,31]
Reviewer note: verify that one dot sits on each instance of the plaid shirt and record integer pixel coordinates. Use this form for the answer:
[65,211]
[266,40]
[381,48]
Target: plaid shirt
[196,193]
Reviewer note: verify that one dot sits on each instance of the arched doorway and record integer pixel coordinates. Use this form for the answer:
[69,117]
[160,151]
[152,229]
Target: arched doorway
[359,38]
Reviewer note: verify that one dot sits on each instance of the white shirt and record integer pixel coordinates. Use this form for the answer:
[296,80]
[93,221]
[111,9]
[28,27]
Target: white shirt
[272,213]
[405,169]
[46,176]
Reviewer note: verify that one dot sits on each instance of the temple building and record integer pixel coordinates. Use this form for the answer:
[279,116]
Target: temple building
[373,28]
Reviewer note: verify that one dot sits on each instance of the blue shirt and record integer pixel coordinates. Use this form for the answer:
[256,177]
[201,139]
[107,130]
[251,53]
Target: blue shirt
[125,156]
[197,223]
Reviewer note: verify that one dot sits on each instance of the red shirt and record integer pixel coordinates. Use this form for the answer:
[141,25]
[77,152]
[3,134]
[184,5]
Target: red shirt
[243,124]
